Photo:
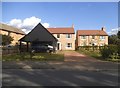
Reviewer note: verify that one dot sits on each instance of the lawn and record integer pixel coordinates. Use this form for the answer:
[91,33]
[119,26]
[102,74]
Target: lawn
[96,55]
[90,53]
[35,57]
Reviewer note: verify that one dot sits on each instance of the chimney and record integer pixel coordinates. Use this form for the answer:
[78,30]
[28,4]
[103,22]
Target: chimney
[103,29]
[72,25]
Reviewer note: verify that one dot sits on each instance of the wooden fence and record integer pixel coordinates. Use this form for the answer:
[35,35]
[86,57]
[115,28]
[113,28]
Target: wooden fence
[9,50]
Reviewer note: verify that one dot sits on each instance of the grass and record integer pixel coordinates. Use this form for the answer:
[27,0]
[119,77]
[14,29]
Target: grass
[36,57]
[97,55]
[91,53]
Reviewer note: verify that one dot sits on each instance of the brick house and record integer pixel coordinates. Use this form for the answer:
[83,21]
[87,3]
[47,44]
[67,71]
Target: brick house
[67,40]
[91,37]
[65,36]
[11,31]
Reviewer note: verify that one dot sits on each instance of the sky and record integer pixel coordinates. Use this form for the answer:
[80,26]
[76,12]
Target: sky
[84,15]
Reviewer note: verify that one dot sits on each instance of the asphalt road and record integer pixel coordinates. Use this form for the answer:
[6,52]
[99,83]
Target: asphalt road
[76,70]
[59,77]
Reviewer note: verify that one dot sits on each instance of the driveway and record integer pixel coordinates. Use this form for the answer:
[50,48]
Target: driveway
[76,70]
[77,60]
[72,60]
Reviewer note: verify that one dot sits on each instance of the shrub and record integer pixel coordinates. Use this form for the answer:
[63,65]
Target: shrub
[105,52]
[108,51]
[113,49]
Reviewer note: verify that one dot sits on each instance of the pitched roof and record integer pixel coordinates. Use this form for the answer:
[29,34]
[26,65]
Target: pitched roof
[91,32]
[38,33]
[10,28]
[61,30]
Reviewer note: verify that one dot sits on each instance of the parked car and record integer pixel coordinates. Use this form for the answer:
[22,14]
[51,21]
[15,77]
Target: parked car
[42,48]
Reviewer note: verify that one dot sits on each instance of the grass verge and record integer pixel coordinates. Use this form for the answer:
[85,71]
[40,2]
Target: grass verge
[35,57]
[97,55]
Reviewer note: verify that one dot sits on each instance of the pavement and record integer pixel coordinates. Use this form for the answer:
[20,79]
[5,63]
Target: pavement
[76,70]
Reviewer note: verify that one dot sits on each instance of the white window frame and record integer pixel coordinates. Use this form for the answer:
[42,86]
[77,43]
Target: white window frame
[83,37]
[70,46]
[68,36]
[93,36]
[58,35]
[102,37]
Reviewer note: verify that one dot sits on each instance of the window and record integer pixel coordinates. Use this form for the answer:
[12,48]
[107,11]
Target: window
[58,35]
[102,37]
[69,45]
[8,33]
[93,37]
[83,37]
[68,36]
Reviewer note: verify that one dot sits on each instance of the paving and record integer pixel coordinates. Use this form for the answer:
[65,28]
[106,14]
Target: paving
[76,70]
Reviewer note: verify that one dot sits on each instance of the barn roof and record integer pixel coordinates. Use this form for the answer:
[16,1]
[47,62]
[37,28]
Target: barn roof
[38,33]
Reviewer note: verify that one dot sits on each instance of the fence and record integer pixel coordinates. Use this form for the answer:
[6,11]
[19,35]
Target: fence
[10,50]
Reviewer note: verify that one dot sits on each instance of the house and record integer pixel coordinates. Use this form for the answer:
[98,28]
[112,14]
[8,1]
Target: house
[37,36]
[11,31]
[65,36]
[91,37]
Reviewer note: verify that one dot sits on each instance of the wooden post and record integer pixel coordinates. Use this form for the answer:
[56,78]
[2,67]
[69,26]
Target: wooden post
[20,46]
[27,46]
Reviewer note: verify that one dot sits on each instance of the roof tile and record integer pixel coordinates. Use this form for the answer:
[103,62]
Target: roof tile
[91,32]
[61,30]
[10,28]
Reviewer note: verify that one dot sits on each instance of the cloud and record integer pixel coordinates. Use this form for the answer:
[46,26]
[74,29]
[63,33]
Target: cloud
[30,22]
[114,31]
[27,24]
[46,25]
[16,23]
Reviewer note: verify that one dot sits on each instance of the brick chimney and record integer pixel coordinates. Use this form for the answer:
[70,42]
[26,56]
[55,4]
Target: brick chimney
[72,25]
[103,29]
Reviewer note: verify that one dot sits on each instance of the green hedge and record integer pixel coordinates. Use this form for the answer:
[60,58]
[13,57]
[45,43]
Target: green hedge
[107,51]
[90,47]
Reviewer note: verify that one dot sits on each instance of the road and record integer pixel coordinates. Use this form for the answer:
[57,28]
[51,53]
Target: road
[54,77]
[77,70]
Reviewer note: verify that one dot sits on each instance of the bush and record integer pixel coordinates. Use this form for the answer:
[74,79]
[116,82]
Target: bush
[119,49]
[105,52]
[108,51]
[113,49]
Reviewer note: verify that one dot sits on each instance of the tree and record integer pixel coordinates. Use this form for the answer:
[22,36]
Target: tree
[118,34]
[6,40]
[112,39]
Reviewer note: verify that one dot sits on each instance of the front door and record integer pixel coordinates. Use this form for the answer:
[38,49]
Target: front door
[58,46]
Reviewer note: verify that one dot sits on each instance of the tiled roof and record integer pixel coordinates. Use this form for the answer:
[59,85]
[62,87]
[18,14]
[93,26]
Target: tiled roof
[91,32]
[61,30]
[10,28]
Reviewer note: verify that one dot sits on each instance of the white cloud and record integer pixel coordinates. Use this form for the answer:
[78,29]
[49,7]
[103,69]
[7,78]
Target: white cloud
[27,24]
[16,23]
[26,31]
[46,25]
[114,31]
[31,22]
